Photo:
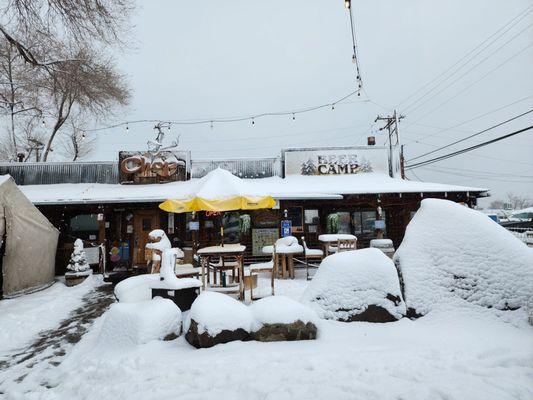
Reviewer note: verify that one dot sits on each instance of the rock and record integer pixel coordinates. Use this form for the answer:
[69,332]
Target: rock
[360,285]
[285,332]
[204,339]
[217,318]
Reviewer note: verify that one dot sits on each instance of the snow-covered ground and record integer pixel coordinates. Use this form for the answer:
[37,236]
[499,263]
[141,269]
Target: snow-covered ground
[451,353]
[23,317]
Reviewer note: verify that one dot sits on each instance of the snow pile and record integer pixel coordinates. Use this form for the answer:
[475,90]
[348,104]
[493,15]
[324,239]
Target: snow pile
[452,252]
[215,312]
[128,324]
[285,245]
[78,261]
[281,310]
[350,283]
[136,288]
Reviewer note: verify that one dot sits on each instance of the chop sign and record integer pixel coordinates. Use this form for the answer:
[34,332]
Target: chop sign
[139,164]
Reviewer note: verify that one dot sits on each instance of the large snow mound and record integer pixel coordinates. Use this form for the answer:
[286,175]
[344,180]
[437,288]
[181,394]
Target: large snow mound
[452,252]
[281,310]
[347,283]
[128,324]
[215,312]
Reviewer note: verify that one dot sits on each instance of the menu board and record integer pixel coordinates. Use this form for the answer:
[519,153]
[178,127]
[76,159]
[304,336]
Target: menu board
[263,237]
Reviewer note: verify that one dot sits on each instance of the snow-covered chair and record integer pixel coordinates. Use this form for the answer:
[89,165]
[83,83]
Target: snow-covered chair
[343,245]
[310,254]
[254,269]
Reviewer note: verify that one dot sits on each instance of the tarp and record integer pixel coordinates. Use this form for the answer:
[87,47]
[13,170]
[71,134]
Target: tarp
[30,242]
[219,190]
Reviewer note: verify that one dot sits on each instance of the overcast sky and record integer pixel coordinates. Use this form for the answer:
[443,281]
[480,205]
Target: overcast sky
[213,59]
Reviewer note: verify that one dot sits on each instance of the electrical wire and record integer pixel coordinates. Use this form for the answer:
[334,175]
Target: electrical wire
[471,136]
[522,14]
[465,150]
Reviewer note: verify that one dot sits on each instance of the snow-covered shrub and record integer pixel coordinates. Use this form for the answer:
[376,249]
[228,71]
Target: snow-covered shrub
[451,252]
[359,285]
[129,324]
[218,318]
[279,318]
[78,260]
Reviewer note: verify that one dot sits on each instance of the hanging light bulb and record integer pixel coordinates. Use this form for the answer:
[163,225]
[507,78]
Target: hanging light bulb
[253,121]
[211,124]
[333,106]
[354,59]
[83,135]
[347,4]
[44,122]
[127,128]
[168,126]
[293,117]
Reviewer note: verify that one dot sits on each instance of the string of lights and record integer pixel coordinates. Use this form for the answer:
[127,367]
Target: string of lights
[355,57]
[251,118]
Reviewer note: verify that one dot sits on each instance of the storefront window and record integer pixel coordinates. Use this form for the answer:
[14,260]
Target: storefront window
[345,225]
[364,222]
[232,227]
[84,226]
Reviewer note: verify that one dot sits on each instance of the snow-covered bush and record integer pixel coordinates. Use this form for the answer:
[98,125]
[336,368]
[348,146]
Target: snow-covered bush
[78,260]
[359,285]
[129,324]
[451,252]
[217,318]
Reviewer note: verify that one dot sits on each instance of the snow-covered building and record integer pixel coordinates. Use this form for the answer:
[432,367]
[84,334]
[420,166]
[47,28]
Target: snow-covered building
[116,203]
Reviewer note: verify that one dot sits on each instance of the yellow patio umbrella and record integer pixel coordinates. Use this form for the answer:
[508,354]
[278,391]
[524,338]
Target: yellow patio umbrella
[219,190]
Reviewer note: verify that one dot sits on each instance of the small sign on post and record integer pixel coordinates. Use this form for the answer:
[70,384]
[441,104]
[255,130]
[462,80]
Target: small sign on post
[286,227]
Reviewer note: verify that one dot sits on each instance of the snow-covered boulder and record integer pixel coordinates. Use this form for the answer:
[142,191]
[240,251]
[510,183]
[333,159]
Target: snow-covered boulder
[359,285]
[129,324]
[451,253]
[279,318]
[218,318]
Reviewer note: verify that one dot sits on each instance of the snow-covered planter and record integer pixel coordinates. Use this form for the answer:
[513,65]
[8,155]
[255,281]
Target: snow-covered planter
[129,324]
[359,285]
[78,269]
[452,253]
[279,318]
[136,288]
[218,318]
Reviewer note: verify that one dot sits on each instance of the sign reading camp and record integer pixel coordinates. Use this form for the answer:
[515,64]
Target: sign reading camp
[336,161]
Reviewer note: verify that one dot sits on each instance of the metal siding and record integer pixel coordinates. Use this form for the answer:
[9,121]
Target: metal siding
[53,173]
[243,168]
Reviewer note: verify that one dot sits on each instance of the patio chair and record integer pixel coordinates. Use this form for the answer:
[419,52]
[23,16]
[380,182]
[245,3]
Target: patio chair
[255,269]
[310,254]
[221,265]
[344,245]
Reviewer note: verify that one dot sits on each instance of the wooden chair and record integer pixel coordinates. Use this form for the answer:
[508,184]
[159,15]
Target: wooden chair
[255,269]
[346,245]
[222,264]
[310,254]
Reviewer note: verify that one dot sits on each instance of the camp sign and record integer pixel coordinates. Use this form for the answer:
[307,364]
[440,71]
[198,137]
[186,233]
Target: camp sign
[336,161]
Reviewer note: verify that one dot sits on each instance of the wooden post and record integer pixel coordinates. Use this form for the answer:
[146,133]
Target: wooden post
[101,232]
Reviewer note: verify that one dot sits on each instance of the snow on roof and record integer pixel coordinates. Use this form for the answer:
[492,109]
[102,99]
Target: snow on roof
[4,178]
[291,187]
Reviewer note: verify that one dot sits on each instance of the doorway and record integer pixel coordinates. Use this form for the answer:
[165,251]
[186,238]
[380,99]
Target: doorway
[143,223]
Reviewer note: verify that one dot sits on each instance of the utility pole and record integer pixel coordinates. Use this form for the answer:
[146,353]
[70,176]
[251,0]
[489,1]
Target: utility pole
[392,123]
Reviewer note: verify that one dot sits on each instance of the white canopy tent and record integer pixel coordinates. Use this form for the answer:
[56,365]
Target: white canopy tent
[28,260]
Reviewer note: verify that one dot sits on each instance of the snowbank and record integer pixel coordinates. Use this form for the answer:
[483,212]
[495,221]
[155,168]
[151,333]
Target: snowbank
[349,283]
[452,252]
[215,312]
[128,324]
[280,309]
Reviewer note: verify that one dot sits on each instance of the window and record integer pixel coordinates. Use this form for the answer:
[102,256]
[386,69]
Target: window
[345,225]
[84,225]
[364,223]
[232,227]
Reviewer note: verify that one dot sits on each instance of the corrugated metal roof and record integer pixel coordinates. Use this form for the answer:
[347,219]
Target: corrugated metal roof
[108,171]
[249,168]
[57,172]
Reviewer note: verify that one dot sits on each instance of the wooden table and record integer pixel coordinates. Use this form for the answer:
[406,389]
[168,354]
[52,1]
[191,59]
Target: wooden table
[330,238]
[284,256]
[235,251]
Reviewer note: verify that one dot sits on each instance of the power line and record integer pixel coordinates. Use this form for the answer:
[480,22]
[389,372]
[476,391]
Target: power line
[473,83]
[512,22]
[463,75]
[462,151]
[473,135]
[467,121]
